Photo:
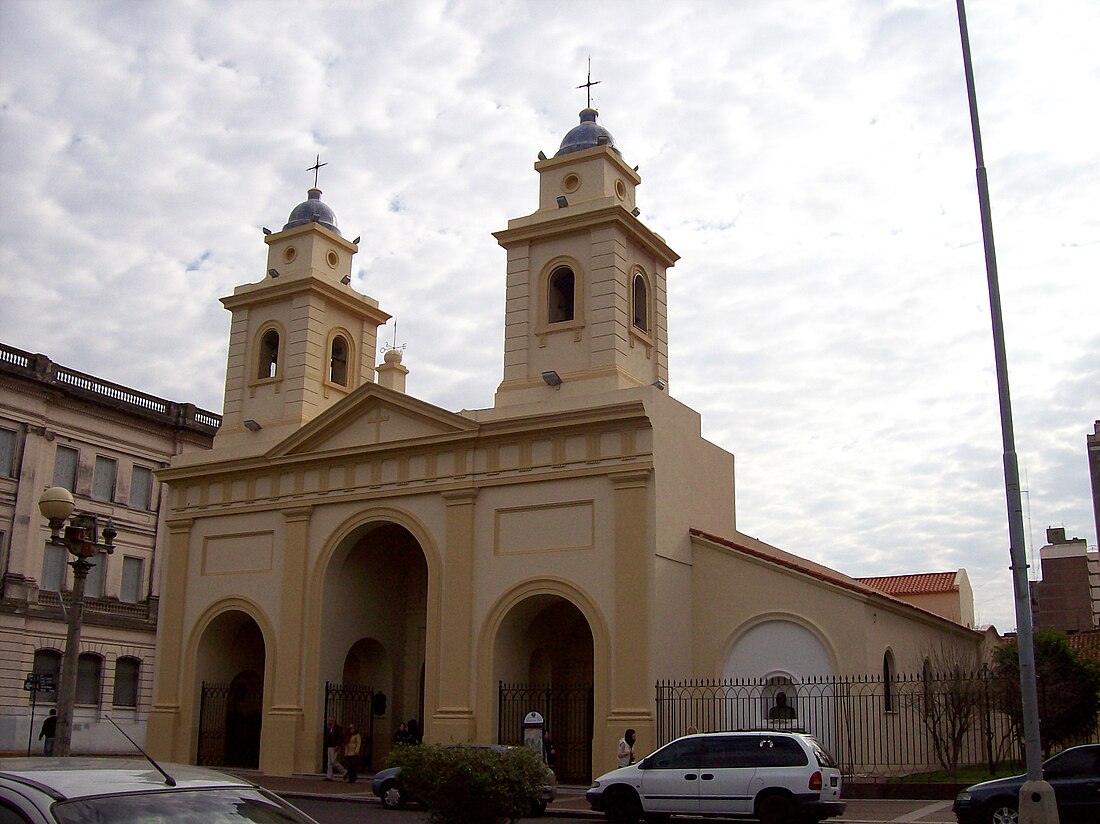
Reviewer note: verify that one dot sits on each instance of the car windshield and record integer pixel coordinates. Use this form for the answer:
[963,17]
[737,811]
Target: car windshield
[212,806]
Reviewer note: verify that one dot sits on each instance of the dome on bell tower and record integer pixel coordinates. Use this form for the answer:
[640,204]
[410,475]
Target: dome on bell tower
[312,211]
[587,135]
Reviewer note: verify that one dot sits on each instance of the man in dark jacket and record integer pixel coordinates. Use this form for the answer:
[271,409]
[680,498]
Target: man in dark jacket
[49,732]
[334,745]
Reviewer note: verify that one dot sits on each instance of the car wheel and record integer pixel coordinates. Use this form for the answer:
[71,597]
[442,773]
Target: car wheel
[623,807]
[775,809]
[1003,811]
[392,797]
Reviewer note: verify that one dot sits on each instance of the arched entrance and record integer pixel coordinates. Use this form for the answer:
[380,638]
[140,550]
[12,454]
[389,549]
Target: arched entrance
[230,670]
[373,626]
[542,661]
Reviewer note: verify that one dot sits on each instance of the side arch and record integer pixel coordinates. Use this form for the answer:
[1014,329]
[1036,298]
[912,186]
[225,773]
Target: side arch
[739,633]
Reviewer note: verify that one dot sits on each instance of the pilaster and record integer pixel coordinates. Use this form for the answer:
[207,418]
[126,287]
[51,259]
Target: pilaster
[632,685]
[283,722]
[167,736]
[453,719]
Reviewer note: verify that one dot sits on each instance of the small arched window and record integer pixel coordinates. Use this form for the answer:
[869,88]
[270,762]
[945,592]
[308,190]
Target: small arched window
[269,355]
[888,681]
[338,361]
[127,673]
[641,303]
[561,295]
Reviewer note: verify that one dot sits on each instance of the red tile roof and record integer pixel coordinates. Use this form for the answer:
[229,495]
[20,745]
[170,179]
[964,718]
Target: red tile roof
[1086,644]
[919,584]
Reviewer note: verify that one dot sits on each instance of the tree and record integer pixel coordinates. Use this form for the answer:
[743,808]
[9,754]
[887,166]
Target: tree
[948,701]
[1068,686]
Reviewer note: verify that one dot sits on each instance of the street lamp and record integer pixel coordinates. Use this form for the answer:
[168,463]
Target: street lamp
[81,539]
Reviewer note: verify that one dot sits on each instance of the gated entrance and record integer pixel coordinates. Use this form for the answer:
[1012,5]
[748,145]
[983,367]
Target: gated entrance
[230,718]
[567,711]
[354,704]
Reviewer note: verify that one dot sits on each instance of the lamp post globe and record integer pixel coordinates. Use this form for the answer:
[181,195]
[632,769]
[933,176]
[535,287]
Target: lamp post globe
[56,504]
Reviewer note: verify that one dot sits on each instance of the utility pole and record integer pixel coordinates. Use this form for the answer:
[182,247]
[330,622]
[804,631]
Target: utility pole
[1037,803]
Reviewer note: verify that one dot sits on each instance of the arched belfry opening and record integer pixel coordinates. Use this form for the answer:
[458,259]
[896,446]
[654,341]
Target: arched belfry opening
[230,674]
[543,662]
[373,630]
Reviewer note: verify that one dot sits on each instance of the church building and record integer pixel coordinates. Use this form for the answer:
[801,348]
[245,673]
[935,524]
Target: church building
[345,539]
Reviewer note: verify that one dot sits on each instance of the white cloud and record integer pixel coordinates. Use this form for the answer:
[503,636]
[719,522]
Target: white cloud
[810,162]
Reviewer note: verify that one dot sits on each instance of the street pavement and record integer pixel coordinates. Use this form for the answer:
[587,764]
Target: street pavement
[570,802]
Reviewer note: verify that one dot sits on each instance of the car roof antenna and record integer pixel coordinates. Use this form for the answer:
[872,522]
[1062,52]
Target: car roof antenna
[169,780]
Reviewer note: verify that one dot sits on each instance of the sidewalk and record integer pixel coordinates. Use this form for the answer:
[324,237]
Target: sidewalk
[570,802]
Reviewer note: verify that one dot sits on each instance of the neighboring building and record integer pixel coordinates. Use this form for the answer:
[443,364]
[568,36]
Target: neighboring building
[1092,441]
[578,536]
[944,593]
[1067,599]
[103,442]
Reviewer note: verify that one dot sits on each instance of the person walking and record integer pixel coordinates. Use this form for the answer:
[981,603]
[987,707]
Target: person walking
[626,749]
[352,746]
[334,744]
[49,732]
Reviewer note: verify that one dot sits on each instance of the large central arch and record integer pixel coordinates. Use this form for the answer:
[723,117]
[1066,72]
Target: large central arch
[373,625]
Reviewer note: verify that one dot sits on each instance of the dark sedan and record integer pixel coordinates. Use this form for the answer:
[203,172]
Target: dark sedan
[1074,774]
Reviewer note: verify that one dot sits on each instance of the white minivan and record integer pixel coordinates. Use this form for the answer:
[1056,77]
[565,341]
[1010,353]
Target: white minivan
[776,777]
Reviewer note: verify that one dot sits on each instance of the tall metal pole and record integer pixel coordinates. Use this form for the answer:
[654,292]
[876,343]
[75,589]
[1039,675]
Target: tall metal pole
[1025,641]
[66,691]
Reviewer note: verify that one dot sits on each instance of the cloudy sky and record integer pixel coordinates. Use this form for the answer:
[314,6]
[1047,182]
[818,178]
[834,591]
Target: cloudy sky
[811,162]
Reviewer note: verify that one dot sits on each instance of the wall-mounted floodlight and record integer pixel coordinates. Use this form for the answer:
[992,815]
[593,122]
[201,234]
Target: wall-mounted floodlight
[266,230]
[542,155]
[273,273]
[252,426]
[635,211]
[562,202]
[660,384]
[552,378]
[346,279]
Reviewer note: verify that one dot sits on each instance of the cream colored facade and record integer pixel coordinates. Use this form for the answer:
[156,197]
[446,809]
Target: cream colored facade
[580,531]
[104,442]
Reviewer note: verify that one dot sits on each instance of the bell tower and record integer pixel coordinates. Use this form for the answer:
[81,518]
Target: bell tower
[301,338]
[586,296]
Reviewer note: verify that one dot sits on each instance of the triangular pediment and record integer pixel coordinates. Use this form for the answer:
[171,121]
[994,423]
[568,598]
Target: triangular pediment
[373,416]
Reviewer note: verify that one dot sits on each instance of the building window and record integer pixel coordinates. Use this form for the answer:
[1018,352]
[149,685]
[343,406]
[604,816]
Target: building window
[89,677]
[888,681]
[133,572]
[561,304]
[338,363]
[65,462]
[641,303]
[103,482]
[48,662]
[97,576]
[53,568]
[141,487]
[269,354]
[127,674]
[7,453]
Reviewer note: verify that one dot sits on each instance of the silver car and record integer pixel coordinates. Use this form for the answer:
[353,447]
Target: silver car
[120,790]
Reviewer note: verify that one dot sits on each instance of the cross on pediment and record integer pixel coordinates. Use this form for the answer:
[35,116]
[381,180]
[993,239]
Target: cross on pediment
[376,417]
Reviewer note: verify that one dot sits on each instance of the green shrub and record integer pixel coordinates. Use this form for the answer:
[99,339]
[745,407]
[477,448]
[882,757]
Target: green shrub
[471,785]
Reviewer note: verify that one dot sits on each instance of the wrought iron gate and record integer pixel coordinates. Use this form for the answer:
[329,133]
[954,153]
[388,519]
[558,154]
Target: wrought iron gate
[567,712]
[353,704]
[230,718]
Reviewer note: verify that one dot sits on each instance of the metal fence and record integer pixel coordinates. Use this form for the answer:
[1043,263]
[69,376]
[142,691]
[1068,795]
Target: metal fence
[901,725]
[567,714]
[230,717]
